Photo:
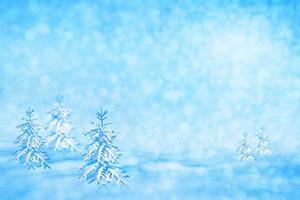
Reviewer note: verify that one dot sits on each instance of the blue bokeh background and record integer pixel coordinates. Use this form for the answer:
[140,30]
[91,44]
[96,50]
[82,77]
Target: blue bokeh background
[182,80]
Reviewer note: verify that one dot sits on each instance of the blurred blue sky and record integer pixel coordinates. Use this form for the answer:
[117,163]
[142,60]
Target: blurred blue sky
[179,77]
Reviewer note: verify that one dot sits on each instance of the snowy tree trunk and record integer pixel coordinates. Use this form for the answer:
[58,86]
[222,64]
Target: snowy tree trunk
[60,129]
[245,151]
[29,152]
[102,156]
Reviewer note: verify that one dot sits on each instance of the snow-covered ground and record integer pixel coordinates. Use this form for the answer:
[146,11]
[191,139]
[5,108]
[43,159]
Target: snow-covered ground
[273,178]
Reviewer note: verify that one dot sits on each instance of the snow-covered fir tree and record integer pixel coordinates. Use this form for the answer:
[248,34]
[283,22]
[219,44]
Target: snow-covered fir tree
[102,156]
[263,145]
[245,151]
[59,128]
[30,144]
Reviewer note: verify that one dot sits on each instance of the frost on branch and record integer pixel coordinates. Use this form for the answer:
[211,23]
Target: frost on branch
[245,151]
[29,152]
[60,128]
[102,156]
[263,145]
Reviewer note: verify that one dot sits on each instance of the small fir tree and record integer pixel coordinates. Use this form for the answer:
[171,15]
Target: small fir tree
[60,128]
[30,143]
[245,151]
[102,156]
[263,145]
